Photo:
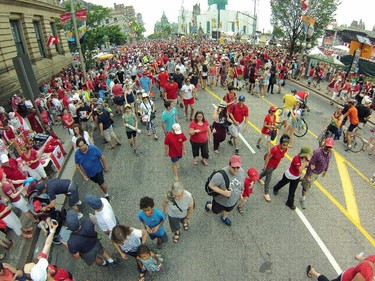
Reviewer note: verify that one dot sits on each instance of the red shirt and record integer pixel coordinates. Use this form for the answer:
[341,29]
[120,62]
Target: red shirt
[247,187]
[163,78]
[202,136]
[171,90]
[277,155]
[33,156]
[67,118]
[13,172]
[175,143]
[269,122]
[117,90]
[364,268]
[295,165]
[302,95]
[8,190]
[240,112]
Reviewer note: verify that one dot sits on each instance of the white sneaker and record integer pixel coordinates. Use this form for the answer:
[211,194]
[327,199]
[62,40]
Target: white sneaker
[79,203]
[80,216]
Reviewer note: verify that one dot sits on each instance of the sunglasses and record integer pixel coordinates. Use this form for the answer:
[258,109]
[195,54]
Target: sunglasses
[236,168]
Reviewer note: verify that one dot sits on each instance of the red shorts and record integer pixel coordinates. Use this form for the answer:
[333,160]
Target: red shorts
[188,101]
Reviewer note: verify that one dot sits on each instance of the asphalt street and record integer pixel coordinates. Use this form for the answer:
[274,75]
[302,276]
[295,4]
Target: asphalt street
[267,242]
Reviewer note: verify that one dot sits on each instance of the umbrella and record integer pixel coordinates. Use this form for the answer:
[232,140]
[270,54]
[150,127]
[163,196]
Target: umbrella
[327,59]
[105,56]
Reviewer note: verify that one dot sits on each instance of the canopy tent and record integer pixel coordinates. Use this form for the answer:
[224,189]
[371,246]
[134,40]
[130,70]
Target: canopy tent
[315,51]
[327,59]
[341,47]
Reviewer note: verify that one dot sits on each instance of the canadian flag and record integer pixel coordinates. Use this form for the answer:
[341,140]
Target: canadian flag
[52,40]
[305,4]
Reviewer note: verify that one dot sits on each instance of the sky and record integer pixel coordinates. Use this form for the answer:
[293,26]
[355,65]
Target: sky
[152,10]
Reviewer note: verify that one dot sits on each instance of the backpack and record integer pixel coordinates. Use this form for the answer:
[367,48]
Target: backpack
[208,190]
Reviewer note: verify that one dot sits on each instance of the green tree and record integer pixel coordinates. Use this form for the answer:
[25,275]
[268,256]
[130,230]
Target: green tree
[137,29]
[287,15]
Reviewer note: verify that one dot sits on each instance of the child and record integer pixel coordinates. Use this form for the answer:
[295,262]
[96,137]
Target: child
[252,176]
[256,89]
[148,260]
[153,219]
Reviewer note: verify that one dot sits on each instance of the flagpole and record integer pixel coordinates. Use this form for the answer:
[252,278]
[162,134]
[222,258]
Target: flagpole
[83,65]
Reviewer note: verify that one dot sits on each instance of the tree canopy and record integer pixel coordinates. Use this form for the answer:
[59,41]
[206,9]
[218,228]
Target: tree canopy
[287,18]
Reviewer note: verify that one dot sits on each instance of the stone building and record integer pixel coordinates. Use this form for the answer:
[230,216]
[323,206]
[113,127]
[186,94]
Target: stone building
[159,25]
[25,26]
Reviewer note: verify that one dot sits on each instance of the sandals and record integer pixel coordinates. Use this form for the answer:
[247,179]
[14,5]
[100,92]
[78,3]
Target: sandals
[308,269]
[110,147]
[240,210]
[176,237]
[141,277]
[185,225]
[27,236]
[204,162]
[195,163]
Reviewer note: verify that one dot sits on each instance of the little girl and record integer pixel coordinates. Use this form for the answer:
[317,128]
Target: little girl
[252,176]
[256,89]
[148,260]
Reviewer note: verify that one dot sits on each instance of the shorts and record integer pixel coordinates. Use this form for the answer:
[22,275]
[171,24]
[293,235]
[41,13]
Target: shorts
[87,126]
[119,100]
[218,208]
[73,195]
[175,223]
[90,256]
[175,159]
[109,134]
[188,101]
[22,205]
[163,238]
[131,134]
[204,77]
[98,178]
[252,80]
[235,130]
[352,127]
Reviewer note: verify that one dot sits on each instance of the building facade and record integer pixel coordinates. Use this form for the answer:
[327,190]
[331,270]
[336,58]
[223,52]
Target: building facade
[25,26]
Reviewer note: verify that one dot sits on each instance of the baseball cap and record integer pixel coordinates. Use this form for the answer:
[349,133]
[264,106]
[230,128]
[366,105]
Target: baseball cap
[253,174]
[39,271]
[235,161]
[72,222]
[305,151]
[4,158]
[329,142]
[40,188]
[176,128]
[93,201]
[273,108]
[241,98]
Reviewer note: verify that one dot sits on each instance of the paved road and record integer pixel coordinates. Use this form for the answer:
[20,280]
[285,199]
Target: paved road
[267,242]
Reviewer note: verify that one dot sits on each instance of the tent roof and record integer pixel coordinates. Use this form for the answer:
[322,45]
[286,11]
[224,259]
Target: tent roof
[326,59]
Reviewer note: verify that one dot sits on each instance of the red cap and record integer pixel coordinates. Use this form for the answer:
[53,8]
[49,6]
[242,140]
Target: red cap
[329,142]
[273,108]
[253,174]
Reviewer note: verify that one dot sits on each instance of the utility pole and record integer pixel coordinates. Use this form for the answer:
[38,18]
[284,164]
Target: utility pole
[73,15]
[255,19]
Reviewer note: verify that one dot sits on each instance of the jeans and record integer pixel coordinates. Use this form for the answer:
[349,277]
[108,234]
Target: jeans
[268,174]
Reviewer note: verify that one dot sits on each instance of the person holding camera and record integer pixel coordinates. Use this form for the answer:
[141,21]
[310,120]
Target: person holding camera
[292,175]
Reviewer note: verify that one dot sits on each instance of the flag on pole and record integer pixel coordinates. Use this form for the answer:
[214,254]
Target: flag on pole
[52,40]
[305,4]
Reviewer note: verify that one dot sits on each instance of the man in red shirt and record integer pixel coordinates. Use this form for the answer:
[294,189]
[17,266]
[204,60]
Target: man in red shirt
[239,115]
[171,90]
[11,169]
[163,80]
[174,144]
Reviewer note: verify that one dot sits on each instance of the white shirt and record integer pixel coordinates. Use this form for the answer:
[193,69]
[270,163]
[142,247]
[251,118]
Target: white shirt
[105,218]
[188,91]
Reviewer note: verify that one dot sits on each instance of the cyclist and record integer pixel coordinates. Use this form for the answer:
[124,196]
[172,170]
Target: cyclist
[289,101]
[334,126]
[295,114]
[352,113]
[302,97]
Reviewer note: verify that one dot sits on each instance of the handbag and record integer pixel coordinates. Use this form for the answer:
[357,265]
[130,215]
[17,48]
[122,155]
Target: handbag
[153,115]
[273,135]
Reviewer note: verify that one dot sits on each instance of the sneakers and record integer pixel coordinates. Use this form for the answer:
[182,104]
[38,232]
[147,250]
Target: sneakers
[292,207]
[79,203]
[111,263]
[230,142]
[206,207]
[267,197]
[108,198]
[275,192]
[258,146]
[303,203]
[56,240]
[236,151]
[80,216]
[227,221]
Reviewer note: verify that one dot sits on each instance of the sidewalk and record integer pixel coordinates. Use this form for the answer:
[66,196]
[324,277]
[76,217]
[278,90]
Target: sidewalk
[26,249]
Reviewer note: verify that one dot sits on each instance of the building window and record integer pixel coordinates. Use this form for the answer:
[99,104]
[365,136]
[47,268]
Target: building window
[17,37]
[232,26]
[53,32]
[106,21]
[244,29]
[208,26]
[115,19]
[38,34]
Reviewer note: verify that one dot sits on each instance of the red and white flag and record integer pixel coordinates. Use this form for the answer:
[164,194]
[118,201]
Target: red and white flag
[52,40]
[305,4]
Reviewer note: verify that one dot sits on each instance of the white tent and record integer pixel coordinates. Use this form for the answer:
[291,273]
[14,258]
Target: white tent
[315,51]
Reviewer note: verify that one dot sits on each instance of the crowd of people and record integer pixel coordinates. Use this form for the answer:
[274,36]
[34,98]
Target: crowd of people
[130,85]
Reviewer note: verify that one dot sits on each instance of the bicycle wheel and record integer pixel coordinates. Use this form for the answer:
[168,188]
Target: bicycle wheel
[301,129]
[321,138]
[279,115]
[357,144]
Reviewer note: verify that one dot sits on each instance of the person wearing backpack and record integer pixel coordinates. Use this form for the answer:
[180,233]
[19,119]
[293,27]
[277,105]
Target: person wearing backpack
[227,185]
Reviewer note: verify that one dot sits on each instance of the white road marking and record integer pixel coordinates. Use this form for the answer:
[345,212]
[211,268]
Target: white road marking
[321,244]
[241,137]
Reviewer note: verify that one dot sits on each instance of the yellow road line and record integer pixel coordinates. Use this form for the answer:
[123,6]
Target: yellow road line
[354,221]
[350,200]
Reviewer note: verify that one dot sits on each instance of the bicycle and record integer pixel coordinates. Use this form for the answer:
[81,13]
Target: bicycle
[323,136]
[301,128]
[357,141]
